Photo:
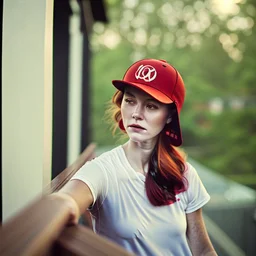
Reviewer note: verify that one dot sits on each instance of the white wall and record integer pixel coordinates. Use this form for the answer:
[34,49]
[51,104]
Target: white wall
[26,101]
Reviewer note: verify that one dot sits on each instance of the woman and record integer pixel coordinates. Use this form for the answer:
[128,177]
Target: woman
[143,194]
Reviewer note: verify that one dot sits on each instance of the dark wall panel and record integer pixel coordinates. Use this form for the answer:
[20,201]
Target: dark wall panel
[60,85]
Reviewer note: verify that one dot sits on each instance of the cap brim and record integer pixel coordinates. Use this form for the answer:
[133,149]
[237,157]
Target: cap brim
[120,85]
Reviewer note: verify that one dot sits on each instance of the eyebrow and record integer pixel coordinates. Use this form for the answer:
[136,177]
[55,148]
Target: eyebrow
[150,99]
[129,94]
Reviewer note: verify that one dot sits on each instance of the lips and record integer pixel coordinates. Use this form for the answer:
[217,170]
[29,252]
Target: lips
[136,126]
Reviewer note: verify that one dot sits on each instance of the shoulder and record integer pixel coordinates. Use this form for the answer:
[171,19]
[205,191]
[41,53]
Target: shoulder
[109,156]
[110,153]
[196,195]
[192,176]
[99,163]
[106,162]
[190,171]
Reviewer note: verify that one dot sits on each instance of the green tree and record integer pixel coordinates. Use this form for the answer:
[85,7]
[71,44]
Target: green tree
[212,44]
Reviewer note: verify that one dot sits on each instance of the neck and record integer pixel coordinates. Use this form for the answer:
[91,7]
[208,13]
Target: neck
[138,154]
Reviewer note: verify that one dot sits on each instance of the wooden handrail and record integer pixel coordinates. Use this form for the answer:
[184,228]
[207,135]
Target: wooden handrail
[79,240]
[41,227]
[34,230]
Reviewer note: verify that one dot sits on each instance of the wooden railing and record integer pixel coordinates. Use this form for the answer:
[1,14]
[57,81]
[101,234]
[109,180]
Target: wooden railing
[41,227]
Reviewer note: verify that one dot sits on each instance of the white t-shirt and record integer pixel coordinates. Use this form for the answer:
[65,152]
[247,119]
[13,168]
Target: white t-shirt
[122,212]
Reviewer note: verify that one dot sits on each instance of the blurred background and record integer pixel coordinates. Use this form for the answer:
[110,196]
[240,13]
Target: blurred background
[56,86]
[212,44]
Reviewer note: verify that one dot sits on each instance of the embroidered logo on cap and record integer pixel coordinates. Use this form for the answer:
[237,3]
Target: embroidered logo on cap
[147,73]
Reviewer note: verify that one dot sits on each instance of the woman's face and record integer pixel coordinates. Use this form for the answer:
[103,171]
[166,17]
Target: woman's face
[143,116]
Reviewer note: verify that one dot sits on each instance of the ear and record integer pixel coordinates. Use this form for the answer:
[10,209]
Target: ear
[169,120]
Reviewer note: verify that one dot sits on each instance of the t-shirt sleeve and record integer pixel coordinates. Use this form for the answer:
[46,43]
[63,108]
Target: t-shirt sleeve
[197,196]
[94,176]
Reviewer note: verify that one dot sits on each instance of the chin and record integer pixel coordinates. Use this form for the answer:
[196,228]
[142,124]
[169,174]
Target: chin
[139,138]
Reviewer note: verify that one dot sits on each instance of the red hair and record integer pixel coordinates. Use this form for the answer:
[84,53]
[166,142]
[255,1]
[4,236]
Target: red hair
[113,111]
[165,178]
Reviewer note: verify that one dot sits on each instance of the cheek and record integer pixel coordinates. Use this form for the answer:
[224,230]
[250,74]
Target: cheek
[124,112]
[161,122]
[158,121]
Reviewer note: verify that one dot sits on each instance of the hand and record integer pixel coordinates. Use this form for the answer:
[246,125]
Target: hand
[71,204]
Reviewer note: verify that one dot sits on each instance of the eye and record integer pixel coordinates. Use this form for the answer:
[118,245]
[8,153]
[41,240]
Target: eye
[152,106]
[129,101]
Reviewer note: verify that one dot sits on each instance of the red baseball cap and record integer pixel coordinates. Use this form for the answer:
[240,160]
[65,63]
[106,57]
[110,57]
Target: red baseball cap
[161,81]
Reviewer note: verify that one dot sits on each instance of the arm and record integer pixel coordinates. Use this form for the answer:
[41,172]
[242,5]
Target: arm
[78,197]
[197,235]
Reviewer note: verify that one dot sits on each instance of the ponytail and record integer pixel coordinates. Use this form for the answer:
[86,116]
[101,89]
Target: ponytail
[165,177]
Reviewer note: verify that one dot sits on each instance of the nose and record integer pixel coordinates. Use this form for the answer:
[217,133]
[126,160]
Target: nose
[137,114]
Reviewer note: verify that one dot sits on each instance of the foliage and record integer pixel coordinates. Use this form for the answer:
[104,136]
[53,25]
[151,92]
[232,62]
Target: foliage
[214,50]
[231,142]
